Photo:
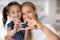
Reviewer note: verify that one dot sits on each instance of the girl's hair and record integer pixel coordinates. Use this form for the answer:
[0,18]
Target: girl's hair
[6,10]
[34,8]
[31,5]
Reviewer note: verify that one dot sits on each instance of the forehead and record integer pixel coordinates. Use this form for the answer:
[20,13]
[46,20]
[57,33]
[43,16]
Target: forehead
[14,7]
[27,8]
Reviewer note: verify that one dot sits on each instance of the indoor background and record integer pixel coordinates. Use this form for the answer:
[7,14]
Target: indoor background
[48,12]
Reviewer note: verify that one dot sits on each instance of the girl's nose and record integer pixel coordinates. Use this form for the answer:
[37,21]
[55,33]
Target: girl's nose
[17,14]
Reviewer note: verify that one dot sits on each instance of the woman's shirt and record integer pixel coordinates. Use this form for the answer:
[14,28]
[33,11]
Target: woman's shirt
[40,35]
[19,35]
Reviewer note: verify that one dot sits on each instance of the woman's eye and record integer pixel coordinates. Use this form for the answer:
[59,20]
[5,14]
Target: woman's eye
[29,11]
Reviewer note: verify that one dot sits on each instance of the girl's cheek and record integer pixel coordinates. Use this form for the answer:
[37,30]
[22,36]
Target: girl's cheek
[24,17]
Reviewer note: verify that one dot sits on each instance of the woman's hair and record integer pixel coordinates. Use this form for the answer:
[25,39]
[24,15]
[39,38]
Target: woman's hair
[6,10]
[34,8]
[31,5]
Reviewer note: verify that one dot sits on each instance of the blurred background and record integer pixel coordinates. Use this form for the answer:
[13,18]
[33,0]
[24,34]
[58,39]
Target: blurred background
[48,12]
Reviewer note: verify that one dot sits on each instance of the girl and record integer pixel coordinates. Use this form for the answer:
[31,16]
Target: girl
[15,28]
[30,16]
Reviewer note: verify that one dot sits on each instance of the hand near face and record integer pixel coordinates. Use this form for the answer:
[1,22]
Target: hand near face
[18,26]
[32,23]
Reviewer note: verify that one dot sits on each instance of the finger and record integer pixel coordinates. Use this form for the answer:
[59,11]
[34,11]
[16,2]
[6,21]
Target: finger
[35,27]
[28,20]
[11,39]
[18,24]
[15,27]
[17,21]
[28,28]
[22,29]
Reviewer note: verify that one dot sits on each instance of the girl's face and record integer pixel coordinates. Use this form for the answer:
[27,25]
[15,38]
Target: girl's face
[28,12]
[15,12]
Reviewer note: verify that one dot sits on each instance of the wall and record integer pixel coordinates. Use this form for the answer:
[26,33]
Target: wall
[50,19]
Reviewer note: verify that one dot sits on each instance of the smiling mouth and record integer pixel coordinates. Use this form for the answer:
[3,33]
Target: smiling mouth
[29,17]
[16,18]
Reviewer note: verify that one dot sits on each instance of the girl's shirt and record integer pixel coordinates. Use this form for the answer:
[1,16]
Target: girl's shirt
[19,35]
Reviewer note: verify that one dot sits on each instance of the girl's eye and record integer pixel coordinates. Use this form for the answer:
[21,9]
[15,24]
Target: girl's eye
[18,11]
[13,12]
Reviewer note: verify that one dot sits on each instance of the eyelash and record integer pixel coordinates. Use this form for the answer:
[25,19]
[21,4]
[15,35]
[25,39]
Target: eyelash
[12,12]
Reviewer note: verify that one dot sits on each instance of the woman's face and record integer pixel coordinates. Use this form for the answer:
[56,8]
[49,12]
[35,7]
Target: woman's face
[28,12]
[15,12]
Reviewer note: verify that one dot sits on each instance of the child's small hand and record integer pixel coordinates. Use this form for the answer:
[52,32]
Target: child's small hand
[31,22]
[9,38]
[17,25]
[37,24]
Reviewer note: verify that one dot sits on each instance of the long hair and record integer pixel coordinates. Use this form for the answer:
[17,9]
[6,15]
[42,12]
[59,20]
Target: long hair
[34,8]
[6,10]
[31,5]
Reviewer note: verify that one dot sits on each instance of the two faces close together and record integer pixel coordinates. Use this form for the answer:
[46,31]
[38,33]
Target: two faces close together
[22,30]
[26,13]
[18,12]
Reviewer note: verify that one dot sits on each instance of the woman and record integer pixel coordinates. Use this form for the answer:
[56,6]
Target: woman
[30,16]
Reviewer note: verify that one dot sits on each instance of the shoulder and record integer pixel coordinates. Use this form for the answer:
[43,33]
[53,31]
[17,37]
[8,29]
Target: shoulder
[11,24]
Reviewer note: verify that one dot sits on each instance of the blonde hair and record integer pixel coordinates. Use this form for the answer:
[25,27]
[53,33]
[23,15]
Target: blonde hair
[34,8]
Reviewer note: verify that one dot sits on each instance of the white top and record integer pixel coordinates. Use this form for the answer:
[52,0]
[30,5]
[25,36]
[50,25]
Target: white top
[40,35]
[37,34]
[3,32]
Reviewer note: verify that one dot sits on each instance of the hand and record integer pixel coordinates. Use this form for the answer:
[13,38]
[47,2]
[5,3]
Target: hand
[32,23]
[9,38]
[17,25]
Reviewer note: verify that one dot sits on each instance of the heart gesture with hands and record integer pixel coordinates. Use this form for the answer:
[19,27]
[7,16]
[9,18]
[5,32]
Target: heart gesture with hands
[18,26]
[33,24]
